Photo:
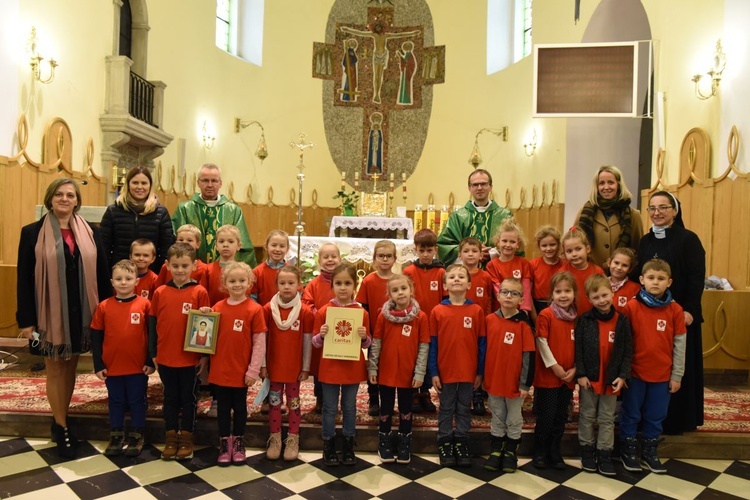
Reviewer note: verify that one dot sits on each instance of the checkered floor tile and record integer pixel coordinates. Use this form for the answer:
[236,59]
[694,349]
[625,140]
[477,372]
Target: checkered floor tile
[30,468]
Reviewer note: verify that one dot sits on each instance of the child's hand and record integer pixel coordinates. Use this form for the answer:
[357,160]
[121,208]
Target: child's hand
[362,332]
[264,373]
[674,386]
[205,310]
[303,375]
[478,382]
[688,319]
[147,370]
[323,330]
[202,364]
[558,370]
[101,374]
[436,384]
[374,379]
[584,383]
[617,385]
[249,381]
[416,383]
[569,375]
[524,393]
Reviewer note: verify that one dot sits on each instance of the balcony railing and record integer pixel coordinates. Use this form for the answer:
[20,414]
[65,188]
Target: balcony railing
[141,99]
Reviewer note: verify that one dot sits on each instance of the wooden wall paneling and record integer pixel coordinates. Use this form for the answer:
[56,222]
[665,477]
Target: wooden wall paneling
[739,262]
[8,326]
[721,235]
[726,344]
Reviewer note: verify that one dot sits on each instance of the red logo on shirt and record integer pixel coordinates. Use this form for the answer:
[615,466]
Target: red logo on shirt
[343,328]
[517,274]
[433,286]
[480,291]
[467,322]
[622,301]
[186,306]
[509,336]
[406,330]
[238,324]
[295,326]
[135,318]
[612,337]
[144,294]
[661,325]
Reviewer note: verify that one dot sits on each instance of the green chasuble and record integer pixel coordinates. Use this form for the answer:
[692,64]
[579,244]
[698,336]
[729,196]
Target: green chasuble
[468,222]
[208,220]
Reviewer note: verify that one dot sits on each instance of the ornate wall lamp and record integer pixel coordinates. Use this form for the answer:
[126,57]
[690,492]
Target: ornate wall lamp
[530,147]
[475,158]
[720,62]
[207,138]
[261,151]
[36,60]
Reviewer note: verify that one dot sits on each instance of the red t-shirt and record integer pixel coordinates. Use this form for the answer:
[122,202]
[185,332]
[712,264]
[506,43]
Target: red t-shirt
[517,267]
[216,291]
[542,275]
[507,340]
[580,275]
[146,285]
[265,283]
[654,330]
[428,286]
[373,293]
[481,291]
[341,371]
[399,349]
[606,346]
[621,297]
[234,343]
[457,328]
[284,347]
[200,275]
[125,326]
[560,337]
[171,307]
[318,293]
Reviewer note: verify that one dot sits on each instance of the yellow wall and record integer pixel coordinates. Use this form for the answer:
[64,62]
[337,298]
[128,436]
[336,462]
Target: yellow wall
[203,83]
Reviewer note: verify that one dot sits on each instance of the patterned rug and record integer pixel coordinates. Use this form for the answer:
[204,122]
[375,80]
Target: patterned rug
[725,410]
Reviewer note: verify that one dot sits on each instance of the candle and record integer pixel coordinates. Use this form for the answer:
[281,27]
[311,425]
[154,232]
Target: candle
[391,183]
[417,217]
[356,181]
[343,181]
[431,218]
[392,176]
[443,218]
[403,176]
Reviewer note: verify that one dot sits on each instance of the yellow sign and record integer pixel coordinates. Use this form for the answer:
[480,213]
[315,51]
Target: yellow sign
[342,340]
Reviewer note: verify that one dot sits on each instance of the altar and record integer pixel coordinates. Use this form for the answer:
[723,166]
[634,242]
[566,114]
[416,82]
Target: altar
[401,228]
[353,250]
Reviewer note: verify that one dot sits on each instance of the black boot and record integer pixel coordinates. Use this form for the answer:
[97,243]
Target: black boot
[649,457]
[116,443]
[403,455]
[445,452]
[495,461]
[385,447]
[588,458]
[135,443]
[67,444]
[510,461]
[539,460]
[604,463]
[330,457]
[555,453]
[461,450]
[347,454]
[629,454]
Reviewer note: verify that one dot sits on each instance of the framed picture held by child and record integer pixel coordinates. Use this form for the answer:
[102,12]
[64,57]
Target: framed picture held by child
[202,330]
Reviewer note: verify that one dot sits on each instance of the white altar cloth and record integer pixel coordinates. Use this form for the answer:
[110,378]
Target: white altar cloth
[353,250]
[377,223]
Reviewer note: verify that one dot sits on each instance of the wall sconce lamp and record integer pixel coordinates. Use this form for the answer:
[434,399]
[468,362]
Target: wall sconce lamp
[475,158]
[530,147]
[720,62]
[118,178]
[261,151]
[36,60]
[206,138]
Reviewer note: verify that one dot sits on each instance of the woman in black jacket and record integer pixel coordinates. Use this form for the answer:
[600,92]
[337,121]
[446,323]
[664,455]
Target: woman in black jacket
[135,214]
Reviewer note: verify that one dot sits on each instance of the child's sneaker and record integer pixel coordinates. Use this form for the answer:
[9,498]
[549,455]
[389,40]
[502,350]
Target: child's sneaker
[116,443]
[184,445]
[170,446]
[385,448]
[604,463]
[588,458]
[238,451]
[403,455]
[135,443]
[225,451]
[291,448]
[445,451]
[273,452]
[463,457]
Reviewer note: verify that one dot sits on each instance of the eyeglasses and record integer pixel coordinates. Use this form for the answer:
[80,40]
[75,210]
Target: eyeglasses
[660,208]
[209,181]
[384,256]
[510,293]
[479,184]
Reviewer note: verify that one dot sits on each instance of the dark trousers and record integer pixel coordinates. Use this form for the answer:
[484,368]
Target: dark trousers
[230,399]
[387,401]
[127,391]
[551,409]
[455,401]
[645,403]
[180,395]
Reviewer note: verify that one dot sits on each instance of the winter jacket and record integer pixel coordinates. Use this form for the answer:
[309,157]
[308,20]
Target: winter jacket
[587,359]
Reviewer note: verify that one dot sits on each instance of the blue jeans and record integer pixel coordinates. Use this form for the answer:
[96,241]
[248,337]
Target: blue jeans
[645,403]
[127,391]
[455,401]
[331,404]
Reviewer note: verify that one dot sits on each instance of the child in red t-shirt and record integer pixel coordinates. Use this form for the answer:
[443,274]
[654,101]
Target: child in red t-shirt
[187,233]
[119,339]
[621,262]
[318,293]
[277,246]
[228,243]
[481,290]
[235,366]
[555,370]
[398,362]
[508,374]
[178,369]
[143,254]
[427,275]
[372,295]
[509,242]
[289,344]
[457,366]
[544,267]
[577,250]
[340,376]
[659,342]
[604,350]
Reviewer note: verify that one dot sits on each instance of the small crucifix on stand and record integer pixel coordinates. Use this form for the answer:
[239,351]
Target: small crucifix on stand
[299,230]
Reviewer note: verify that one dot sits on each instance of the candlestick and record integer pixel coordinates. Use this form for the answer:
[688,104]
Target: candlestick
[431,218]
[417,218]
[443,218]
[403,185]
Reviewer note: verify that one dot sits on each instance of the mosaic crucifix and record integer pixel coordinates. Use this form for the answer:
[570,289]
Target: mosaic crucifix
[380,68]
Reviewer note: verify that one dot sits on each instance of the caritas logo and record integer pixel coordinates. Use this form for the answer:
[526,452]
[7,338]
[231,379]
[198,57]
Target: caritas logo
[343,330]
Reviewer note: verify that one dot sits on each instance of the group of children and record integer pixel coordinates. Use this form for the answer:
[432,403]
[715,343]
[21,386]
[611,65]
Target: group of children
[550,323]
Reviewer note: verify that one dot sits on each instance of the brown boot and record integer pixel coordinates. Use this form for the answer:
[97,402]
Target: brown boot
[291,451]
[185,445]
[170,446]
[274,446]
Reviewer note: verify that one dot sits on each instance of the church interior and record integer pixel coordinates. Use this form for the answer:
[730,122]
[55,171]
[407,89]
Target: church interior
[396,102]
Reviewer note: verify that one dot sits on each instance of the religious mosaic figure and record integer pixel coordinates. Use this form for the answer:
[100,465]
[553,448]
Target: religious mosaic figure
[380,52]
[323,61]
[349,75]
[408,67]
[375,144]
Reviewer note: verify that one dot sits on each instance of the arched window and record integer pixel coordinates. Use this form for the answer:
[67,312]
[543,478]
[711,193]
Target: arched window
[126,23]
[508,33]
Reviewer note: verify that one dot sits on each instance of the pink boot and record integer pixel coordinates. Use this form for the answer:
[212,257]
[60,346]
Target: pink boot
[238,451]
[225,451]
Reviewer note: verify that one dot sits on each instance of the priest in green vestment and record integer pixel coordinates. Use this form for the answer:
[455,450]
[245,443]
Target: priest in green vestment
[480,218]
[208,211]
